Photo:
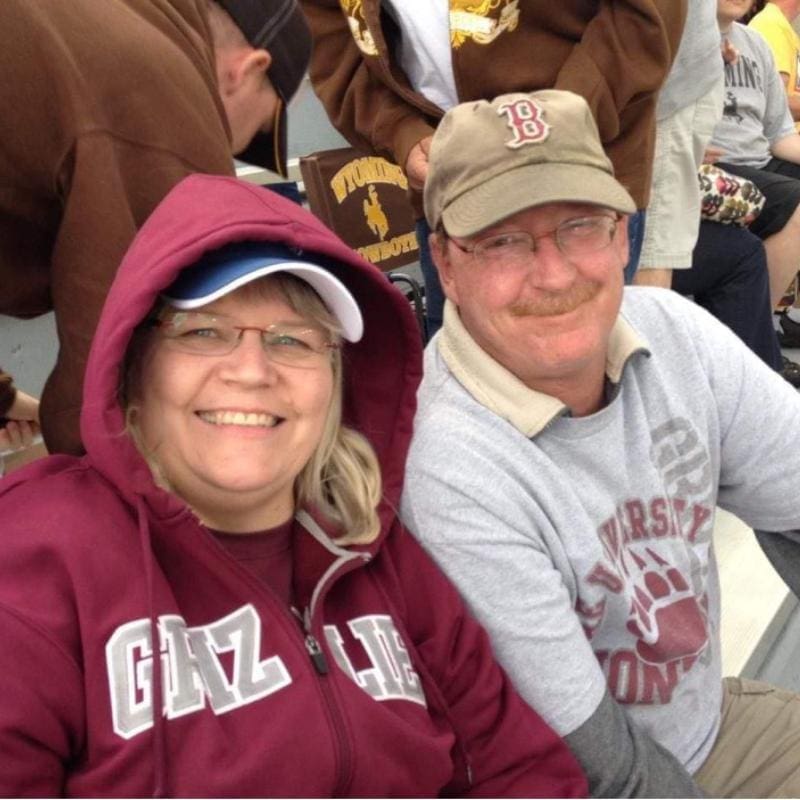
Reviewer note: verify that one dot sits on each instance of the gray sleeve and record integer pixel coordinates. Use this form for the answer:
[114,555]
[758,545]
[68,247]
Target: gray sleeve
[778,120]
[621,760]
[783,551]
[470,515]
[757,413]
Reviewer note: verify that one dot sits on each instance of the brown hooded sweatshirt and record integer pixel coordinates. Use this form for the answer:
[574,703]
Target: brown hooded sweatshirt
[107,105]
[616,53]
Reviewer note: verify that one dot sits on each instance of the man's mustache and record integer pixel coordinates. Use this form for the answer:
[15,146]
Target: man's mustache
[549,304]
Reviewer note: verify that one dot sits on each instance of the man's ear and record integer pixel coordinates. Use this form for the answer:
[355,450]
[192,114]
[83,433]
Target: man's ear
[441,260]
[237,67]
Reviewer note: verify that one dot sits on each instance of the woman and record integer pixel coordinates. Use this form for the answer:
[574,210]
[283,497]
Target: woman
[232,508]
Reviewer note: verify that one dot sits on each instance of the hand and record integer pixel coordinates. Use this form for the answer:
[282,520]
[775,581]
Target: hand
[417,163]
[730,55]
[18,435]
[24,407]
[23,423]
[712,155]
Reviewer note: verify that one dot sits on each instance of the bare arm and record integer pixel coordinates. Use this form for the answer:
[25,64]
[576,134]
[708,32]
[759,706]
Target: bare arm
[788,148]
[794,99]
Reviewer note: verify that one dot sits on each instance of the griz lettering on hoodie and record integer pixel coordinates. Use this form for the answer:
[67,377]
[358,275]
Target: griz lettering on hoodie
[195,673]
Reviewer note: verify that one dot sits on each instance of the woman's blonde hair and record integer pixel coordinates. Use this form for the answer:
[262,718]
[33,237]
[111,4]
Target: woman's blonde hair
[342,478]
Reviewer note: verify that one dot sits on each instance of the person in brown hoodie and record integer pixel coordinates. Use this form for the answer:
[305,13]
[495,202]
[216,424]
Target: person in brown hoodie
[614,54]
[106,107]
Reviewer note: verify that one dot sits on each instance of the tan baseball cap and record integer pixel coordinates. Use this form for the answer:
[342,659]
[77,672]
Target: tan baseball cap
[490,160]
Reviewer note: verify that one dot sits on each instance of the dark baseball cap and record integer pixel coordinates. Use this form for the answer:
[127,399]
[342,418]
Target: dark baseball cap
[279,27]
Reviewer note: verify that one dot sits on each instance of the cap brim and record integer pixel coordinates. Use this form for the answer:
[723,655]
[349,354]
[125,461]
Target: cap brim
[530,186]
[203,284]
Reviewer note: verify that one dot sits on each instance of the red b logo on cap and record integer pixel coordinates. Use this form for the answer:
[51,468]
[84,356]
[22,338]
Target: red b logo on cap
[526,120]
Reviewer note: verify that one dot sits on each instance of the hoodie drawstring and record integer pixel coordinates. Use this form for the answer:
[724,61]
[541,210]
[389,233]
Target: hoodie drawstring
[159,729]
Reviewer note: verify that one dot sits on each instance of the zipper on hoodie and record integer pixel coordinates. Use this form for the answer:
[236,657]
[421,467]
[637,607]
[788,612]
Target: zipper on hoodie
[343,756]
[313,647]
[342,753]
[342,749]
[317,656]
[344,563]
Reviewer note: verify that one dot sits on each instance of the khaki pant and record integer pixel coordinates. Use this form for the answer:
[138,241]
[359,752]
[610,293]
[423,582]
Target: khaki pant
[757,752]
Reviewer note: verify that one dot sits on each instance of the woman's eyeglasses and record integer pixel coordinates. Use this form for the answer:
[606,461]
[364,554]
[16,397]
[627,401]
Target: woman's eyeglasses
[215,335]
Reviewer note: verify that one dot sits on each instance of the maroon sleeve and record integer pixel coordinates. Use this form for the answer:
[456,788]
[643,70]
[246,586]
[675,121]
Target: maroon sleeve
[509,750]
[42,711]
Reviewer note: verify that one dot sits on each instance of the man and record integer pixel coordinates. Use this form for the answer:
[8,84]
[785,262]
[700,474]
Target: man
[106,106]
[756,139]
[571,444]
[387,70]
[720,266]
[774,23]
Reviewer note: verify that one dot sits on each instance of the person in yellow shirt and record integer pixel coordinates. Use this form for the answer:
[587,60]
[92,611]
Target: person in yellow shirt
[774,23]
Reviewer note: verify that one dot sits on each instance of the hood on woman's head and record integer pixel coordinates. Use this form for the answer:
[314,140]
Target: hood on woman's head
[211,235]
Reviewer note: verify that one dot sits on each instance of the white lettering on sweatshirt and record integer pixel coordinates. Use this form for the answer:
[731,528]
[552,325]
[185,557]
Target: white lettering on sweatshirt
[194,672]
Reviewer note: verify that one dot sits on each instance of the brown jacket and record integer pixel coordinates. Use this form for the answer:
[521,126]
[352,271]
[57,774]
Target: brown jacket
[616,53]
[106,105]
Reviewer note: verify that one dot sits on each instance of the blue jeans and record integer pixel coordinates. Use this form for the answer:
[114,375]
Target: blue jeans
[729,279]
[636,224]
[434,296]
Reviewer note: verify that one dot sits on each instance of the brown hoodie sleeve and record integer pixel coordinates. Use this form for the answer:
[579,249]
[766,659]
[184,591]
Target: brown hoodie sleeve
[367,100]
[7,392]
[619,65]
[105,140]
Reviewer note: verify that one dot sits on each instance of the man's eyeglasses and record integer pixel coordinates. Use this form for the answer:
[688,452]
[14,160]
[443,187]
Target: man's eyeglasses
[575,238]
[216,335]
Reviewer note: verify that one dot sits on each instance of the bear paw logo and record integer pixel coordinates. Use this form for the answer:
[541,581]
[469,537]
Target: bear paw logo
[666,616]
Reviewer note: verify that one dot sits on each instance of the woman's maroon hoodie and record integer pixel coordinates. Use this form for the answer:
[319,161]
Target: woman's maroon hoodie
[386,687]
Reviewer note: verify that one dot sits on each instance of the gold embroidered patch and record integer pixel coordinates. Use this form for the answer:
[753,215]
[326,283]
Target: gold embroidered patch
[358,26]
[476,20]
